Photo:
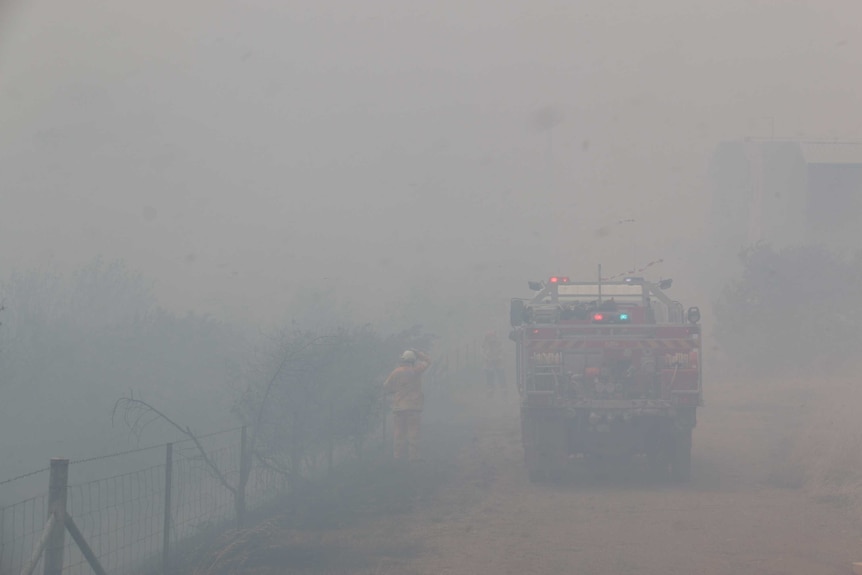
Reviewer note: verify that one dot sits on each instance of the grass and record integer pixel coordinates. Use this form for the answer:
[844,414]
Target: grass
[361,489]
[314,530]
[322,526]
[822,451]
[328,525]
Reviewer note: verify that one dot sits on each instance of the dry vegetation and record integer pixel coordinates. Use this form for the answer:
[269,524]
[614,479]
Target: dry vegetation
[350,520]
[828,446]
[815,431]
[788,326]
[346,523]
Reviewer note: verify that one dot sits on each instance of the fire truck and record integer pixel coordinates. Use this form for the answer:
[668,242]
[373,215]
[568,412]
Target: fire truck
[606,371]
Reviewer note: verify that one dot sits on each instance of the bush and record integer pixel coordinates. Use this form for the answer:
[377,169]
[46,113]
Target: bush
[71,344]
[792,309]
[310,392]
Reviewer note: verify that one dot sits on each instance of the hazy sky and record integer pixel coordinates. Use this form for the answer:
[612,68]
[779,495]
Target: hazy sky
[234,151]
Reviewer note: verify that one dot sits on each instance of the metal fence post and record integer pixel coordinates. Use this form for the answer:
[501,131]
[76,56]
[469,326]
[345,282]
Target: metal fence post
[57,491]
[166,526]
[383,437]
[243,478]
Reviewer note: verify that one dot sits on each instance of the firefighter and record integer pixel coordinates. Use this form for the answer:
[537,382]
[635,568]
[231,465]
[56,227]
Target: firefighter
[404,384]
[492,359]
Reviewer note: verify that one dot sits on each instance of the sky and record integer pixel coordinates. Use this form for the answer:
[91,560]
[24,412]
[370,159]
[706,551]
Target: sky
[236,153]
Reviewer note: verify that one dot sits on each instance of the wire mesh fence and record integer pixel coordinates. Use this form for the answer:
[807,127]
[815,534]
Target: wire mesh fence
[131,520]
[201,500]
[21,525]
[121,518]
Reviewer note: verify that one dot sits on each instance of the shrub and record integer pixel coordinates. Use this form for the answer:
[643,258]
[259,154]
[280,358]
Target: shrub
[791,309]
[310,392]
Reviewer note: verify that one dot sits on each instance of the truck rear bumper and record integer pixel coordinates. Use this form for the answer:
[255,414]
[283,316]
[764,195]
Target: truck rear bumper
[606,427]
[574,406]
[655,406]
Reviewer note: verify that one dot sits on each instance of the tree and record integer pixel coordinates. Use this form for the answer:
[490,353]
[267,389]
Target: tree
[791,309]
[72,343]
[308,392]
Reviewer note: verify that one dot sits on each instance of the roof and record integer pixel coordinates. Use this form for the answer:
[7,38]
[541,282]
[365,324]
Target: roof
[592,290]
[812,151]
[831,152]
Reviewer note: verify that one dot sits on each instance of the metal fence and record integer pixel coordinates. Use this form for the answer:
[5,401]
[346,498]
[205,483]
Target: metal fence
[131,521]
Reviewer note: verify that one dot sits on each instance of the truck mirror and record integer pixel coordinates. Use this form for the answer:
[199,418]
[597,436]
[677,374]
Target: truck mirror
[693,315]
[665,284]
[535,286]
[517,311]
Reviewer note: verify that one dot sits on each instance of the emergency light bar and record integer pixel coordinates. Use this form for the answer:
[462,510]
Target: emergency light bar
[558,280]
[611,317]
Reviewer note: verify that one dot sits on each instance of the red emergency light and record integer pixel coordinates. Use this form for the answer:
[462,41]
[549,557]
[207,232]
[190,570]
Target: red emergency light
[559,280]
[555,279]
[611,317]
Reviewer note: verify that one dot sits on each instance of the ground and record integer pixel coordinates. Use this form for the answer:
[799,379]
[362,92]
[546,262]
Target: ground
[474,512]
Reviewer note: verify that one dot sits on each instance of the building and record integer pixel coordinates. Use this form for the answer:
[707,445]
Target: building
[785,192]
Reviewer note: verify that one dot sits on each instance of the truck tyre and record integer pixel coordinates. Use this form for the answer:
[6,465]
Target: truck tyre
[544,470]
[539,466]
[537,474]
[544,434]
[657,464]
[681,464]
[532,460]
[657,455]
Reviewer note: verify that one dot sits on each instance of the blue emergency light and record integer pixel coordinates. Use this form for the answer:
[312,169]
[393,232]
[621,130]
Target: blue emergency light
[610,317]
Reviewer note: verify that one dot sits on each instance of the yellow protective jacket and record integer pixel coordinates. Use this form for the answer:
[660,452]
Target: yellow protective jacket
[405,384]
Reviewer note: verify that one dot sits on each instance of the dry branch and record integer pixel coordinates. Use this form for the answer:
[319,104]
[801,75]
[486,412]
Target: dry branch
[142,409]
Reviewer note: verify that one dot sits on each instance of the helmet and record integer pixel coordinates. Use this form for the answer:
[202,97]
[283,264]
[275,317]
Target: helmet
[408,356]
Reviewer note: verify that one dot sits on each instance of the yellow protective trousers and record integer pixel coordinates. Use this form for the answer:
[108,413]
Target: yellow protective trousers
[405,432]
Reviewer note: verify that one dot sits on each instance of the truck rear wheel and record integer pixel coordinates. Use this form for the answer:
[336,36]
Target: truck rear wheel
[540,466]
[656,451]
[681,462]
[545,448]
[657,464]
[536,473]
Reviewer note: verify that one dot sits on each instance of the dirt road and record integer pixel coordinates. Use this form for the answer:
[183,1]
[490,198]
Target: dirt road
[732,518]
[743,513]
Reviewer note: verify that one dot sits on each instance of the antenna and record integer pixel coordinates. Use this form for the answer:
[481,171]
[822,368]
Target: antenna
[600,284]
[634,271]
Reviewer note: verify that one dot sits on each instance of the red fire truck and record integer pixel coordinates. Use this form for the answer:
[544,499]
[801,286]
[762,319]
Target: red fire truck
[606,371]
